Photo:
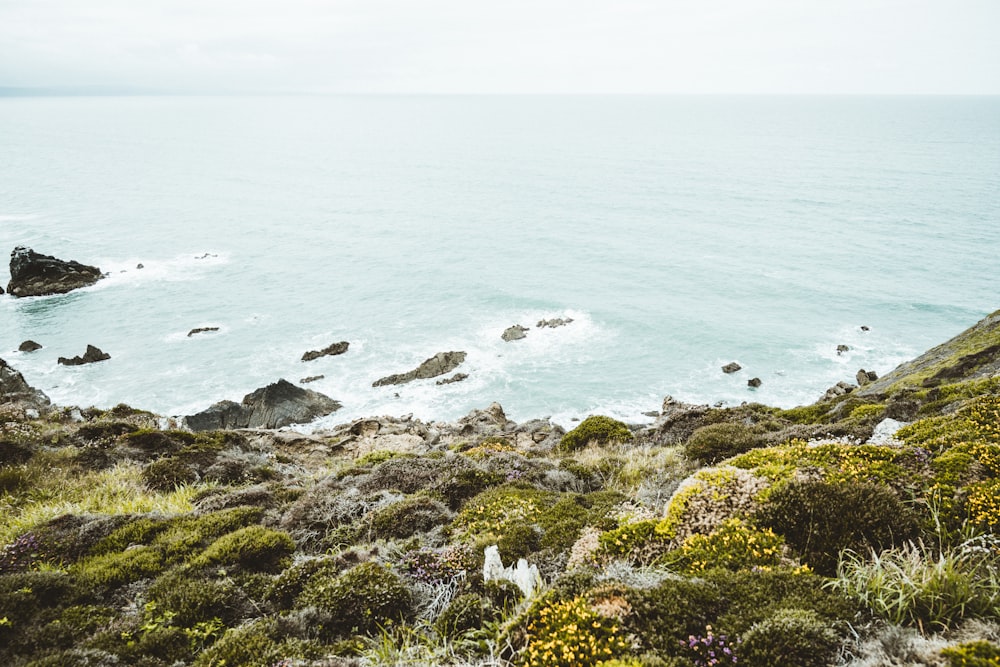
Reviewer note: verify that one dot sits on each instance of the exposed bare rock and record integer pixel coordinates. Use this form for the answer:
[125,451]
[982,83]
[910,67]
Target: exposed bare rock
[754,383]
[439,364]
[842,348]
[273,406]
[838,389]
[553,323]
[330,350]
[515,332]
[864,377]
[731,367]
[14,389]
[29,346]
[311,378]
[92,355]
[457,377]
[34,274]
[201,330]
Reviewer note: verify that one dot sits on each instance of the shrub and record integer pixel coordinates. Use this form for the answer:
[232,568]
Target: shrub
[436,566]
[20,554]
[714,442]
[251,645]
[190,599]
[790,637]
[597,429]
[167,474]
[735,545]
[360,600]
[463,613]
[570,634]
[665,615]
[820,519]
[638,542]
[253,548]
[115,569]
[416,514]
[710,650]
[708,498]
[911,585]
[973,654]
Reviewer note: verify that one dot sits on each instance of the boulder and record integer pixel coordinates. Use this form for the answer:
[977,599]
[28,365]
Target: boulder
[515,332]
[865,328]
[34,274]
[754,382]
[201,330]
[731,367]
[273,406]
[328,351]
[92,355]
[865,377]
[838,389]
[29,346]
[457,377]
[14,389]
[439,364]
[553,323]
[842,348]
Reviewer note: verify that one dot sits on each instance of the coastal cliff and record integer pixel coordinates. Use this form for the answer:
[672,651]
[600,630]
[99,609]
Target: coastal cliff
[859,530]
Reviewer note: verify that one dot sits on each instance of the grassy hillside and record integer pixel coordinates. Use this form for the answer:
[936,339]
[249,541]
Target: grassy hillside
[745,535]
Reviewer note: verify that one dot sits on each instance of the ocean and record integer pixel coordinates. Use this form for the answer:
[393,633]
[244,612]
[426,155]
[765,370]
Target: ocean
[679,234]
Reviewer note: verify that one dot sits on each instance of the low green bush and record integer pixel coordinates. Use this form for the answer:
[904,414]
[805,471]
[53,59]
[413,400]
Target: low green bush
[820,519]
[410,516]
[568,634]
[797,637]
[973,654]
[252,548]
[714,442]
[116,569]
[596,429]
[663,616]
[188,599]
[735,545]
[359,601]
[463,613]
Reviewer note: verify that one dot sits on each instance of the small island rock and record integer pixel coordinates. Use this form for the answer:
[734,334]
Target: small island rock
[276,405]
[516,332]
[457,377]
[34,274]
[311,378]
[439,364]
[201,330]
[553,323]
[731,367]
[92,355]
[754,382]
[842,348]
[328,351]
[29,346]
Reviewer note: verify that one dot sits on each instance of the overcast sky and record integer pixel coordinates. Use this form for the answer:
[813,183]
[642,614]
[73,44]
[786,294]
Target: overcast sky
[513,46]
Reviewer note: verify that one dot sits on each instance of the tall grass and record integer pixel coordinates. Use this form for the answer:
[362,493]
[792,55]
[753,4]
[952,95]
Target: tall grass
[916,586]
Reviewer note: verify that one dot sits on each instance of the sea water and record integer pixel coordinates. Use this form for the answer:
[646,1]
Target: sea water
[679,234]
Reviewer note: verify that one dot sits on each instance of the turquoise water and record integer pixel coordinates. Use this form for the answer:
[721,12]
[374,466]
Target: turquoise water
[680,233]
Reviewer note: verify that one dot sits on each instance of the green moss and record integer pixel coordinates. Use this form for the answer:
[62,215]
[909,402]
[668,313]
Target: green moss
[115,569]
[189,598]
[595,429]
[253,548]
[973,654]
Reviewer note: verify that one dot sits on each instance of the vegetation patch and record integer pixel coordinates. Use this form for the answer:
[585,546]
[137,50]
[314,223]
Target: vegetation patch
[596,429]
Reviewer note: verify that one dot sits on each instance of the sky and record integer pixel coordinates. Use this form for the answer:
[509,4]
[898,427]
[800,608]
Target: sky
[514,46]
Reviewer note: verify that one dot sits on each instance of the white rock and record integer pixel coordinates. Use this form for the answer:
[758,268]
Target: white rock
[523,575]
[885,432]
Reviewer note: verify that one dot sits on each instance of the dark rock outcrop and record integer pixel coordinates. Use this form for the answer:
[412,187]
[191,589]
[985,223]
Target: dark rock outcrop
[34,274]
[328,351]
[731,367]
[865,377]
[92,355]
[754,382]
[457,377]
[311,378]
[14,389]
[553,323]
[273,406]
[439,364]
[842,348]
[29,346]
[838,389]
[515,332]
[201,330]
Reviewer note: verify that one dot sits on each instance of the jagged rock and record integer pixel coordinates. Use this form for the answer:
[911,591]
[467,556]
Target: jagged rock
[515,332]
[676,423]
[201,330]
[553,323]
[273,406]
[525,576]
[14,389]
[34,274]
[754,382]
[457,377]
[731,367]
[838,389]
[885,432]
[864,377]
[328,351]
[311,378]
[842,348]
[29,346]
[865,328]
[439,364]
[490,421]
[92,355]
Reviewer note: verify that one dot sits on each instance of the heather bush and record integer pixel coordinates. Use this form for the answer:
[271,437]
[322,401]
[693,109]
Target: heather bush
[820,519]
[714,442]
[359,601]
[408,517]
[797,637]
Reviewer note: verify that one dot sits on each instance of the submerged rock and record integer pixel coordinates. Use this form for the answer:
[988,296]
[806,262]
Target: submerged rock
[14,389]
[731,367]
[201,330]
[515,332]
[273,406]
[439,364]
[311,378]
[29,346]
[92,355]
[34,274]
[328,351]
[457,377]
[553,323]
